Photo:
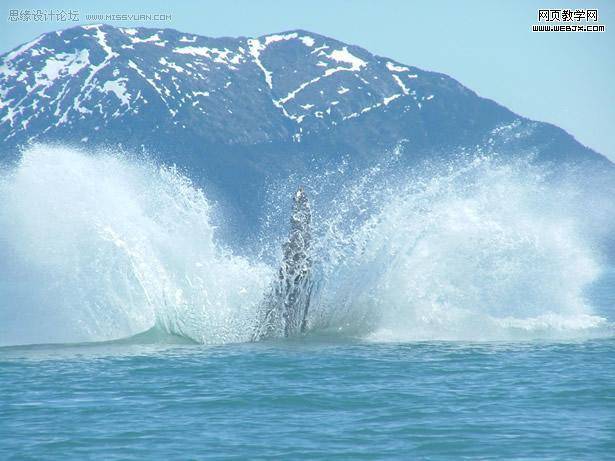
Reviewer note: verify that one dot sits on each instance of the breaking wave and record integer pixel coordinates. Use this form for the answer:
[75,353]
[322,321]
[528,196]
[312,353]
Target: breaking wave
[96,247]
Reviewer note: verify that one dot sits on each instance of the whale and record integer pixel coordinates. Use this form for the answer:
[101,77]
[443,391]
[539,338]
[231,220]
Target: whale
[284,310]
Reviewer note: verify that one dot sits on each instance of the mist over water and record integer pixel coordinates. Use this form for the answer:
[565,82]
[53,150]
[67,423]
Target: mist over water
[99,246]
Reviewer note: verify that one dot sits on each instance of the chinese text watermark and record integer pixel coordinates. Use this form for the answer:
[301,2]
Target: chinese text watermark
[567,20]
[39,15]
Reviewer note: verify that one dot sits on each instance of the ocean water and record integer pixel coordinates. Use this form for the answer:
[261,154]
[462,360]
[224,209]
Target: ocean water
[464,311]
[310,399]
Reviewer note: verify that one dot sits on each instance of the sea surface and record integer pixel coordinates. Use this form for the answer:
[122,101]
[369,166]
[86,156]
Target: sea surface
[310,398]
[465,312]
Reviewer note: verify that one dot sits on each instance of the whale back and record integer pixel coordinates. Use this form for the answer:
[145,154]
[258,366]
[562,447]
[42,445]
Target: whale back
[285,308]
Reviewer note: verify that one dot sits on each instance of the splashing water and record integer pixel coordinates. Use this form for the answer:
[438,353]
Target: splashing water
[478,251]
[100,247]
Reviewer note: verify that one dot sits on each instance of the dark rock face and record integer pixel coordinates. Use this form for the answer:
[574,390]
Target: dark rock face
[237,111]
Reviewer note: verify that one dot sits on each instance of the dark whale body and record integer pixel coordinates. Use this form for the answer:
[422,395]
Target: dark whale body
[285,309]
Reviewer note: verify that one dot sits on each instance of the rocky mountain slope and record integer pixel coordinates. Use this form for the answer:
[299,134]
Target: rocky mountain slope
[237,111]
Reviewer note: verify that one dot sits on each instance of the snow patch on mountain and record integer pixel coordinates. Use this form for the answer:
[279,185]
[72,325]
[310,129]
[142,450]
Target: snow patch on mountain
[101,71]
[256,48]
[225,56]
[399,82]
[62,65]
[118,87]
[346,57]
[395,68]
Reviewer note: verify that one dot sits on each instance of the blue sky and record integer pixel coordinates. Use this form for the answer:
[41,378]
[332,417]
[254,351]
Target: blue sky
[562,78]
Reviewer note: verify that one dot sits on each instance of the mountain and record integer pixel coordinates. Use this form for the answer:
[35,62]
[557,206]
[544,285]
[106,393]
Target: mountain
[236,112]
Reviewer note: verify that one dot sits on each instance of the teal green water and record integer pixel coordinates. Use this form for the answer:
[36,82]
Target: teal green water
[469,315]
[309,399]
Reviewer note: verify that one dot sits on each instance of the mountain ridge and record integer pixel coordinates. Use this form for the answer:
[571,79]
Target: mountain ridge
[238,112]
[253,46]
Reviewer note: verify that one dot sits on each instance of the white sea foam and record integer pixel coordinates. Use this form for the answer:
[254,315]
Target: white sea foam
[101,246]
[483,250]
[98,247]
